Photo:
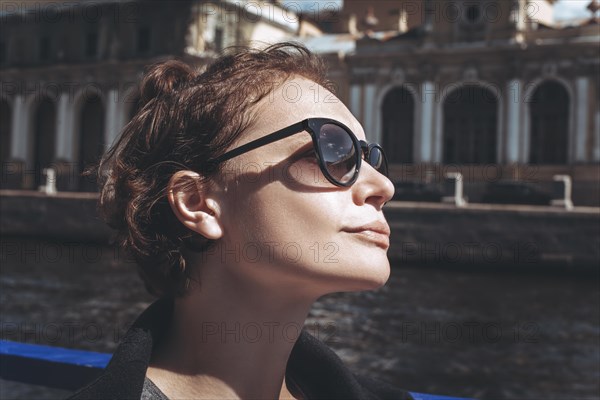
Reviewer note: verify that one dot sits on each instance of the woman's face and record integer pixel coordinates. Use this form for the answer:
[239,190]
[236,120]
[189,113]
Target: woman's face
[283,222]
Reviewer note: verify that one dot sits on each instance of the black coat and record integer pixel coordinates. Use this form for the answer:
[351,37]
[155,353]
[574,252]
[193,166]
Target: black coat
[313,367]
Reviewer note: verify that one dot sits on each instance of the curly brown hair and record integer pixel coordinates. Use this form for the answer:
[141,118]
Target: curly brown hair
[186,118]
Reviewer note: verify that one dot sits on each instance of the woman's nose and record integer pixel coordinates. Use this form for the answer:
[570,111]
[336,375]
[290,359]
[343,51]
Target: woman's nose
[372,187]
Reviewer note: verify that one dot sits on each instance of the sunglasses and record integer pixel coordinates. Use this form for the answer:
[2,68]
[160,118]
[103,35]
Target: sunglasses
[339,152]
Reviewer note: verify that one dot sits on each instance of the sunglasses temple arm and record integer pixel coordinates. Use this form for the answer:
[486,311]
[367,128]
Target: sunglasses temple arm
[273,137]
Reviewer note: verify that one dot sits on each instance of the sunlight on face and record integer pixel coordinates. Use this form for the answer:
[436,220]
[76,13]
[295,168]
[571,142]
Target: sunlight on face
[294,224]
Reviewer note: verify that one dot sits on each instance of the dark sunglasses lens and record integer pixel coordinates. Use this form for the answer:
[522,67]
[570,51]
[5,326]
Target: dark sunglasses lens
[338,151]
[377,160]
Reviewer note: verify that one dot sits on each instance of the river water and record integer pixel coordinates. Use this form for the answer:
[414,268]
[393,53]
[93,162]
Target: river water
[486,335]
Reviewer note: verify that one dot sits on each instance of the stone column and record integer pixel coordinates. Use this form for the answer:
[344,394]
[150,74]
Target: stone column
[513,119]
[369,114]
[64,129]
[114,117]
[67,145]
[20,130]
[355,103]
[581,118]
[12,172]
[596,148]
[428,98]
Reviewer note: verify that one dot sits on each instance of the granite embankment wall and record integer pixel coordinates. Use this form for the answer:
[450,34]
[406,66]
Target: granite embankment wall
[495,236]
[478,236]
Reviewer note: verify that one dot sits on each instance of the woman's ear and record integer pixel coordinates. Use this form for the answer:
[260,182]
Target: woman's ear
[191,201]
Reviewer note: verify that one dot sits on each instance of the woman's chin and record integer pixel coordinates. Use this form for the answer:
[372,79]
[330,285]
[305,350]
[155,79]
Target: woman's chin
[377,281]
[371,278]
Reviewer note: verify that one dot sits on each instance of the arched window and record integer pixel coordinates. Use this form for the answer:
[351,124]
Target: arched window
[44,139]
[549,110]
[91,140]
[398,125]
[470,117]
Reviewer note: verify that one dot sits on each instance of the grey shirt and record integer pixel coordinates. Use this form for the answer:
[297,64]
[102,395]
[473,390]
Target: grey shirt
[151,392]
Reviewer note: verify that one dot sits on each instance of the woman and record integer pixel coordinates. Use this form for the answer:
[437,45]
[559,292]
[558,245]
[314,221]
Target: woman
[245,193]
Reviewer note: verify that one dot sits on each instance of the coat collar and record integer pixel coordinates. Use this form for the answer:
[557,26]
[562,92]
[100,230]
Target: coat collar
[313,369]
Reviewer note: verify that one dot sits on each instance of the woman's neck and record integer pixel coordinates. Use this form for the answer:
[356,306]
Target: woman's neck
[228,342]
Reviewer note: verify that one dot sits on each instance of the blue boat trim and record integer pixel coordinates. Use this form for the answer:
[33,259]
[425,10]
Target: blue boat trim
[49,366]
[83,358]
[424,396]
[70,369]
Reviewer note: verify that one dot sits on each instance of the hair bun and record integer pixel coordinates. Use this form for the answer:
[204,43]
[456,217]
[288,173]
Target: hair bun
[165,79]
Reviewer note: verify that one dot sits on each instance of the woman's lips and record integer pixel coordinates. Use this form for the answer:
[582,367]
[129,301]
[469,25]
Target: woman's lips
[380,239]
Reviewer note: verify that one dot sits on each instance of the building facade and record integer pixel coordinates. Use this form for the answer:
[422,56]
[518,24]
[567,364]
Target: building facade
[70,72]
[490,88]
[494,89]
